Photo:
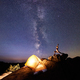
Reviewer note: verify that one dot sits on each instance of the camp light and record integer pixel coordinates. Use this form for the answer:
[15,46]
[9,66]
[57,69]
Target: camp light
[35,63]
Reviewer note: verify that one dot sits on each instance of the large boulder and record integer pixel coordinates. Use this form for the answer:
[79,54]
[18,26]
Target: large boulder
[63,56]
[55,58]
[58,57]
[49,64]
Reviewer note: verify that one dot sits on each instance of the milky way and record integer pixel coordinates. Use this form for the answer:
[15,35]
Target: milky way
[37,11]
[39,28]
[36,26]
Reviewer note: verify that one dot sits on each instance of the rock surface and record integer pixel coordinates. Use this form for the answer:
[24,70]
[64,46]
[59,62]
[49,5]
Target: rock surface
[58,57]
[66,69]
[21,74]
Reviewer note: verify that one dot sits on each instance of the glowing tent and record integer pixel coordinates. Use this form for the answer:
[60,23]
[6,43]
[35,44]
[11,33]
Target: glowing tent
[40,67]
[35,63]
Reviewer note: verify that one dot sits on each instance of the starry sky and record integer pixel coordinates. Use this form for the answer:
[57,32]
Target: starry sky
[36,26]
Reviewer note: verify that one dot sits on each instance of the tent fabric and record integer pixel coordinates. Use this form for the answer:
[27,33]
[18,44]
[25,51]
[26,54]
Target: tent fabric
[35,63]
[32,61]
[40,67]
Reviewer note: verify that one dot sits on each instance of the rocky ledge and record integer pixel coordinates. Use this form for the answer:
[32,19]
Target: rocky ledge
[59,67]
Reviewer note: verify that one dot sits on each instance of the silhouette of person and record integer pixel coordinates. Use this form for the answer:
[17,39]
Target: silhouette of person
[57,49]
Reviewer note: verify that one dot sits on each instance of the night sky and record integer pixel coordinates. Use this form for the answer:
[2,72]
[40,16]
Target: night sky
[36,26]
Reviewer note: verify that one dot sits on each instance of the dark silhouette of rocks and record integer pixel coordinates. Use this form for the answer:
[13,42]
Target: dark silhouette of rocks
[58,57]
[60,68]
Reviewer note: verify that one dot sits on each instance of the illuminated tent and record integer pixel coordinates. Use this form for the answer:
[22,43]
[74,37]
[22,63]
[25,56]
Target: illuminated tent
[35,63]
[40,67]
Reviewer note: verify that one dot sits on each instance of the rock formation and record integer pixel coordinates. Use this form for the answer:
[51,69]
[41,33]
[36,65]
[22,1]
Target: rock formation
[59,67]
[68,69]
